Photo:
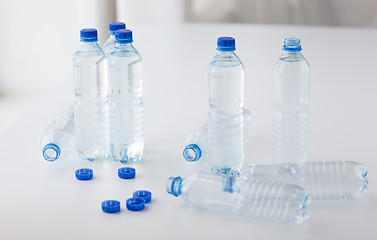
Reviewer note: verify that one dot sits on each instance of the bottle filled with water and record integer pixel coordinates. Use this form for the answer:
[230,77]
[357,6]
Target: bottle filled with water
[253,198]
[323,180]
[225,114]
[126,92]
[291,105]
[110,42]
[58,137]
[91,107]
[197,141]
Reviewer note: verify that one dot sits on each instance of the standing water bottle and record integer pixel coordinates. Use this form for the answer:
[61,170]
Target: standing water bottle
[254,198]
[225,115]
[58,137]
[110,43]
[323,180]
[91,100]
[126,91]
[291,105]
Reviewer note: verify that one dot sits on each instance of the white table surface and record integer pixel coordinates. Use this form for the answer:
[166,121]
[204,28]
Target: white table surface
[41,200]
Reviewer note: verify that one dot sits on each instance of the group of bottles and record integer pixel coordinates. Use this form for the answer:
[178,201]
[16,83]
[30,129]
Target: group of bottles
[107,117]
[277,192]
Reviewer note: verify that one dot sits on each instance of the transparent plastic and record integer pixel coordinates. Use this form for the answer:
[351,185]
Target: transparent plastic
[225,115]
[91,107]
[127,112]
[58,137]
[291,105]
[109,45]
[197,141]
[253,198]
[323,180]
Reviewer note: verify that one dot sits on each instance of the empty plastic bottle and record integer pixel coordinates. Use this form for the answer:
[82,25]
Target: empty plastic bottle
[91,107]
[225,115]
[291,105]
[110,43]
[323,180]
[126,91]
[197,141]
[254,198]
[58,137]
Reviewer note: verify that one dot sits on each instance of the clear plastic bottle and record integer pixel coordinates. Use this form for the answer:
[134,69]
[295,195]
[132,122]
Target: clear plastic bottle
[126,91]
[254,198]
[58,137]
[197,141]
[91,107]
[225,114]
[291,105]
[110,42]
[323,180]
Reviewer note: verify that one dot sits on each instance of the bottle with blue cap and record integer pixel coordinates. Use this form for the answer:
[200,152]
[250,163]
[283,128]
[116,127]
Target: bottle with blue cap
[58,137]
[225,114]
[91,106]
[291,105]
[253,198]
[126,99]
[110,42]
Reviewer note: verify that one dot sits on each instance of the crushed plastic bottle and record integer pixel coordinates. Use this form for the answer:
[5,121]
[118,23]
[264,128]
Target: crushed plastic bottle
[109,45]
[323,180]
[253,198]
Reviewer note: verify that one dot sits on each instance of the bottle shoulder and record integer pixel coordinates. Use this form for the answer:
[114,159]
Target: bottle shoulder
[88,51]
[226,60]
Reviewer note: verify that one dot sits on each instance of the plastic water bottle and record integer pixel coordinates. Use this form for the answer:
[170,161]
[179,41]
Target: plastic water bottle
[254,198]
[225,115]
[91,108]
[110,43]
[197,141]
[58,137]
[126,91]
[291,105]
[323,180]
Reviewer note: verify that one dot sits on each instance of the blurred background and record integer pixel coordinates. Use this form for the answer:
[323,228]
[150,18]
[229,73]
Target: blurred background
[37,43]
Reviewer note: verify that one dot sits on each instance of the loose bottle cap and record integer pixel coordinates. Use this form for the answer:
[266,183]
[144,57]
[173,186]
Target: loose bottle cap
[84,174]
[110,206]
[116,26]
[135,204]
[88,35]
[146,195]
[126,172]
[123,36]
[226,44]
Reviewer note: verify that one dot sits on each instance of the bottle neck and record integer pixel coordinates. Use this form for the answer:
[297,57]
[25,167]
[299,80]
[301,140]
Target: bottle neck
[225,53]
[123,45]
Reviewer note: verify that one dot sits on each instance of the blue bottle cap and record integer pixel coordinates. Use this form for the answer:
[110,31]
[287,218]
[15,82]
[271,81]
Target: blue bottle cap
[123,36]
[292,45]
[110,206]
[192,152]
[84,174]
[88,35]
[51,152]
[146,195]
[135,204]
[116,26]
[126,172]
[226,44]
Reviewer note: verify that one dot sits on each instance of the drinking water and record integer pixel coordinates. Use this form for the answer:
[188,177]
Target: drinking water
[291,105]
[91,107]
[197,141]
[323,180]
[225,115]
[126,91]
[254,198]
[109,45]
[58,137]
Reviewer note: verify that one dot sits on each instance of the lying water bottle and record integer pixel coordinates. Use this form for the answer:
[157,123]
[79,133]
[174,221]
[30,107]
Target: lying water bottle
[225,114]
[323,180]
[58,137]
[126,92]
[291,105]
[197,141]
[253,198]
[110,42]
[91,107]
